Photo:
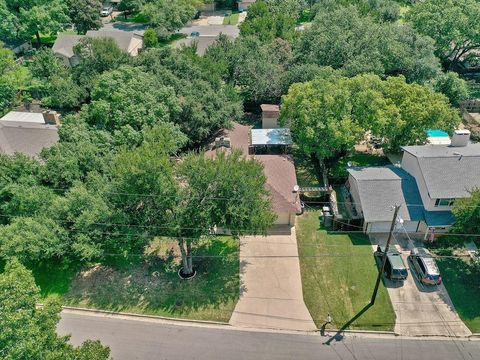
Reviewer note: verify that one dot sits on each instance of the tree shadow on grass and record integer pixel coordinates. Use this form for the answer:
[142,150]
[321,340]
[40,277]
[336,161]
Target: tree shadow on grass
[152,285]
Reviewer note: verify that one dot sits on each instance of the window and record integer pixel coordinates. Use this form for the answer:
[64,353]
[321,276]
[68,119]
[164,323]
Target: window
[444,202]
[420,264]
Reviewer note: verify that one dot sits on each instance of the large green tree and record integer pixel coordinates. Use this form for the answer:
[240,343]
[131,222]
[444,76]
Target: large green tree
[85,14]
[188,199]
[453,24]
[167,16]
[331,113]
[29,332]
[28,18]
[467,214]
[345,39]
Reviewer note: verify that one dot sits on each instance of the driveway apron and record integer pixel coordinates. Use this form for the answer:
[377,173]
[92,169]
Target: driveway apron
[271,286]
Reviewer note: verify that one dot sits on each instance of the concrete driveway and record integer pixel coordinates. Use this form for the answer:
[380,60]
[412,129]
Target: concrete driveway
[271,287]
[421,310]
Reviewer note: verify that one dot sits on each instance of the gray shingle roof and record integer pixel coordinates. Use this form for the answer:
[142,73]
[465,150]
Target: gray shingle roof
[122,38]
[449,172]
[65,43]
[26,138]
[380,188]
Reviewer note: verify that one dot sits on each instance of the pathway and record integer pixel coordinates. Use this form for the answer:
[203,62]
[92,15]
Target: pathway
[271,287]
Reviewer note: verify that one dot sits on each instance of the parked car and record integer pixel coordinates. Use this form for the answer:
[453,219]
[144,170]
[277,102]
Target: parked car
[395,268]
[106,11]
[195,34]
[425,266]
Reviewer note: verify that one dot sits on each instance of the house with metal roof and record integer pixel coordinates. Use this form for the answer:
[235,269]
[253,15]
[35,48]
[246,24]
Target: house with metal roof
[427,183]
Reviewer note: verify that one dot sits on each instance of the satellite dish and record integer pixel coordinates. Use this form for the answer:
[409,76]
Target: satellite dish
[296,188]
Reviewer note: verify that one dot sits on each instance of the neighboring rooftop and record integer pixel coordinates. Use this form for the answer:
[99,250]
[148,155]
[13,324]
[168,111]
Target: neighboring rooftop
[448,171]
[280,136]
[65,43]
[380,188]
[21,116]
[26,138]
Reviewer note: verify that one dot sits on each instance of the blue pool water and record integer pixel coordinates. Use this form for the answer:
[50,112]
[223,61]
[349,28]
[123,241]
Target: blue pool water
[436,133]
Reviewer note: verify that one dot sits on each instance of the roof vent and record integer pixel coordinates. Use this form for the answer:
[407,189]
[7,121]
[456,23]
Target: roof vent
[460,138]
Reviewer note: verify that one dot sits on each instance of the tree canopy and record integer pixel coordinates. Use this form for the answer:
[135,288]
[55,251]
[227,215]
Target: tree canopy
[454,26]
[340,110]
[29,332]
[467,214]
[85,14]
[28,18]
[345,39]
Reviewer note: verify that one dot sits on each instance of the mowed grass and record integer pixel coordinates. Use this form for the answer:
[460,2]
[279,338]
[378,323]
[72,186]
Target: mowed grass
[338,277]
[464,290]
[149,284]
[231,19]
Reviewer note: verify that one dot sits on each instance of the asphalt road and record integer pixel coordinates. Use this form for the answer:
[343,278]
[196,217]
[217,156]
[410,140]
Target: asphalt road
[133,339]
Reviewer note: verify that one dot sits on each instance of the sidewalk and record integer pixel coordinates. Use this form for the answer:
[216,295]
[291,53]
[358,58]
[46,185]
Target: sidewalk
[271,287]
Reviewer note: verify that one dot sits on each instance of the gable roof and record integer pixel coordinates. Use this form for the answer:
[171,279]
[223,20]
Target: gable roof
[278,169]
[380,188]
[449,172]
[65,43]
[26,138]
[123,38]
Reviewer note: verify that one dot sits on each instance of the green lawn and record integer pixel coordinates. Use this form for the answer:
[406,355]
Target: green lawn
[231,19]
[464,290]
[338,275]
[307,170]
[150,285]
[356,159]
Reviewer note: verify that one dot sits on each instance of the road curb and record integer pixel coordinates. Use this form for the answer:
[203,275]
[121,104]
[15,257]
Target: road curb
[371,332]
[144,316]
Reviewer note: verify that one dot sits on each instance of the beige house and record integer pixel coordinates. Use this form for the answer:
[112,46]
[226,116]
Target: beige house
[129,41]
[279,170]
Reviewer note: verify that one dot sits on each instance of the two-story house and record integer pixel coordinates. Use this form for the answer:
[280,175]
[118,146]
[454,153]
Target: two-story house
[427,183]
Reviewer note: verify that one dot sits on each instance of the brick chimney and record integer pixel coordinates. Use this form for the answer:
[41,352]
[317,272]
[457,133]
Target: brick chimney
[51,117]
[270,115]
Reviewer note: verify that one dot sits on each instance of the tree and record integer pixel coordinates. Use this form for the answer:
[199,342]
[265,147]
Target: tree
[268,20]
[95,57]
[186,200]
[25,19]
[467,214]
[345,39]
[29,332]
[452,86]
[254,68]
[85,14]
[130,6]
[454,26]
[340,110]
[130,96]
[14,79]
[150,38]
[166,16]
[32,239]
[227,192]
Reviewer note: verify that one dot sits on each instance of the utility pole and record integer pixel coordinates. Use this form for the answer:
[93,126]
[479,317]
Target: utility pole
[384,258]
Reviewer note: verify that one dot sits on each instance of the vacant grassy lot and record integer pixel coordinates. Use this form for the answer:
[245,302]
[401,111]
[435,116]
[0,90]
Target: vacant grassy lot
[149,284]
[338,275]
[464,290]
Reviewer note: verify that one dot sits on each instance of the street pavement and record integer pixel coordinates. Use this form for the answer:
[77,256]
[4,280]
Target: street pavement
[271,286]
[149,340]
